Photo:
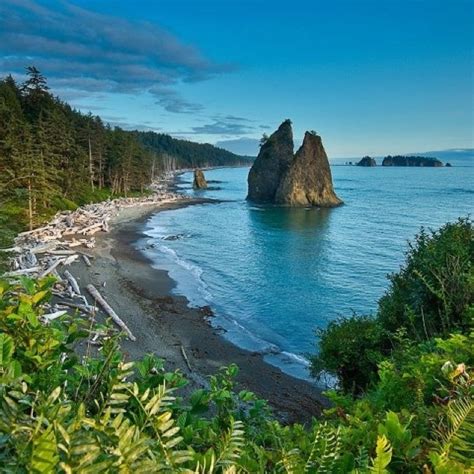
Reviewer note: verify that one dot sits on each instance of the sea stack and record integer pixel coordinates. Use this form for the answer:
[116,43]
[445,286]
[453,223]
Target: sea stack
[367,161]
[280,177]
[274,159]
[199,180]
[308,181]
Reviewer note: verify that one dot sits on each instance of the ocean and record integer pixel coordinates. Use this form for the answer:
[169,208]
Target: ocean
[274,275]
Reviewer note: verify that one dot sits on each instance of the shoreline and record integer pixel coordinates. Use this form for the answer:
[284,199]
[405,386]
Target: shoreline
[164,323]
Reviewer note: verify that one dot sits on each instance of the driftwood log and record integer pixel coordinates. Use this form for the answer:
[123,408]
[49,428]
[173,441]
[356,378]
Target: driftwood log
[108,309]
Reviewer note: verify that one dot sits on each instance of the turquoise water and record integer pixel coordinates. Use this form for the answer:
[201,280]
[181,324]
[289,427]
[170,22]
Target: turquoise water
[273,275]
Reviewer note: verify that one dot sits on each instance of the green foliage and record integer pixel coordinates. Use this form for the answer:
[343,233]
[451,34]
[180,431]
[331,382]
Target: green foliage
[432,295]
[60,412]
[433,292]
[350,348]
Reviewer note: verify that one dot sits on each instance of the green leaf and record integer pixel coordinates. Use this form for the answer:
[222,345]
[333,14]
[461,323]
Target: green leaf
[6,349]
[383,456]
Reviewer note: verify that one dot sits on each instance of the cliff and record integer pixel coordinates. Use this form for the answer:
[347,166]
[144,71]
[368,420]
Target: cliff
[411,161]
[199,180]
[308,181]
[367,161]
[272,162]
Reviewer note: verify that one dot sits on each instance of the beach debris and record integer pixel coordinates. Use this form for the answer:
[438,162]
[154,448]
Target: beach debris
[108,309]
[51,248]
[185,357]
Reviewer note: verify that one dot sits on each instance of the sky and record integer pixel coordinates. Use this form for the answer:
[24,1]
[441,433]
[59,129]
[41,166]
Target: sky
[370,76]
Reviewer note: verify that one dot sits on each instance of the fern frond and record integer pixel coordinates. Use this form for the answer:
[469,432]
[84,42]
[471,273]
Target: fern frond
[383,456]
[232,444]
[457,439]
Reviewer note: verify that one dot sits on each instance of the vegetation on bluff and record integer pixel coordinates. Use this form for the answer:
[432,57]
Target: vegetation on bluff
[62,412]
[53,157]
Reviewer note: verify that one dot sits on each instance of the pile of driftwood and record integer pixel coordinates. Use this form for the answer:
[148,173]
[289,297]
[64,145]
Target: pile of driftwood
[51,249]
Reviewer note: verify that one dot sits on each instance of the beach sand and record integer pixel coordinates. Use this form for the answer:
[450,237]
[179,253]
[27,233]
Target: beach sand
[163,322]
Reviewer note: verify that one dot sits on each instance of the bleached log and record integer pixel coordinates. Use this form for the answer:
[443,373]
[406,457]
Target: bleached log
[73,282]
[108,309]
[51,267]
[89,229]
[35,231]
[23,271]
[82,307]
[51,316]
[70,259]
[86,260]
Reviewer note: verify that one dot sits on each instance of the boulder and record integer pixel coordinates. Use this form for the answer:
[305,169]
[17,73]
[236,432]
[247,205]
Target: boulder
[308,180]
[272,162]
[199,180]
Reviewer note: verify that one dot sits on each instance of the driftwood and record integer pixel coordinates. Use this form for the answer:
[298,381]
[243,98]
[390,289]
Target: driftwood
[108,309]
[52,267]
[51,316]
[73,282]
[185,357]
[48,249]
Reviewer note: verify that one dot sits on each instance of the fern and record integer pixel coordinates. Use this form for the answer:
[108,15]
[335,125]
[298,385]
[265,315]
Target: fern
[232,444]
[456,437]
[383,456]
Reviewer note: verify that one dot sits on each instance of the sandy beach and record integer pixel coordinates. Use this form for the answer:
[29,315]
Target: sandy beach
[163,322]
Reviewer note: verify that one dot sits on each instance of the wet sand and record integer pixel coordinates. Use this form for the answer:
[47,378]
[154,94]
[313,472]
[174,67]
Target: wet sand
[163,323]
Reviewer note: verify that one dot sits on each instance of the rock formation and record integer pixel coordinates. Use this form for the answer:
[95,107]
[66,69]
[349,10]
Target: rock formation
[367,161]
[411,161]
[274,159]
[308,181]
[199,180]
[278,176]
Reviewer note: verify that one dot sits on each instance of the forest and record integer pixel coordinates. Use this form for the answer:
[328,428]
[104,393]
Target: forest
[53,157]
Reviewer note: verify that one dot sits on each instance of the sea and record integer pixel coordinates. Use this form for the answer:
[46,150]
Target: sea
[274,275]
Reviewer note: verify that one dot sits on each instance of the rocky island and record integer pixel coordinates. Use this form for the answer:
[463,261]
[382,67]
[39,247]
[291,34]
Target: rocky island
[199,180]
[367,161]
[400,160]
[281,177]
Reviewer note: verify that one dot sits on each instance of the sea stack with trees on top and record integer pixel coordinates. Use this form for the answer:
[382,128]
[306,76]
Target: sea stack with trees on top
[367,161]
[279,176]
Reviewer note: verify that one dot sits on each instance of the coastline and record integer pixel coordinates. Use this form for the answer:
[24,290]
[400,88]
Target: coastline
[164,324]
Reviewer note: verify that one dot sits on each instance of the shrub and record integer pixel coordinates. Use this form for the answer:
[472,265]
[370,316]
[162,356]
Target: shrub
[431,295]
[433,292]
[350,348]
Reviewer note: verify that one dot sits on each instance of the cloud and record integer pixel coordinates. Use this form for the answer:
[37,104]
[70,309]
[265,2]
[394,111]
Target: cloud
[81,50]
[171,101]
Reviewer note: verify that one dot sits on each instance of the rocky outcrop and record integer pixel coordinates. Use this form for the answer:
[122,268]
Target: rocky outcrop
[280,177]
[199,180]
[273,161]
[411,161]
[367,161]
[308,180]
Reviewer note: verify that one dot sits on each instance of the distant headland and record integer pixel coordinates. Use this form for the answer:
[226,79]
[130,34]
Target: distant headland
[403,160]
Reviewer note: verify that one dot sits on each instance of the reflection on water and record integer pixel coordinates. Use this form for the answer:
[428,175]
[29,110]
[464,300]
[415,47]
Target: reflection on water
[292,219]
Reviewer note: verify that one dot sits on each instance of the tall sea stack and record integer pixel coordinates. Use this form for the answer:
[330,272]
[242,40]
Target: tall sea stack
[308,181]
[280,177]
[274,159]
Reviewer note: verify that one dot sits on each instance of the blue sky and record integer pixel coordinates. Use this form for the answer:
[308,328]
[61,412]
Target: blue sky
[371,76]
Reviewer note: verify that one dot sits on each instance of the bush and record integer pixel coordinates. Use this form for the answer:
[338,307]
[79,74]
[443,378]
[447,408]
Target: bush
[432,295]
[433,292]
[350,348]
